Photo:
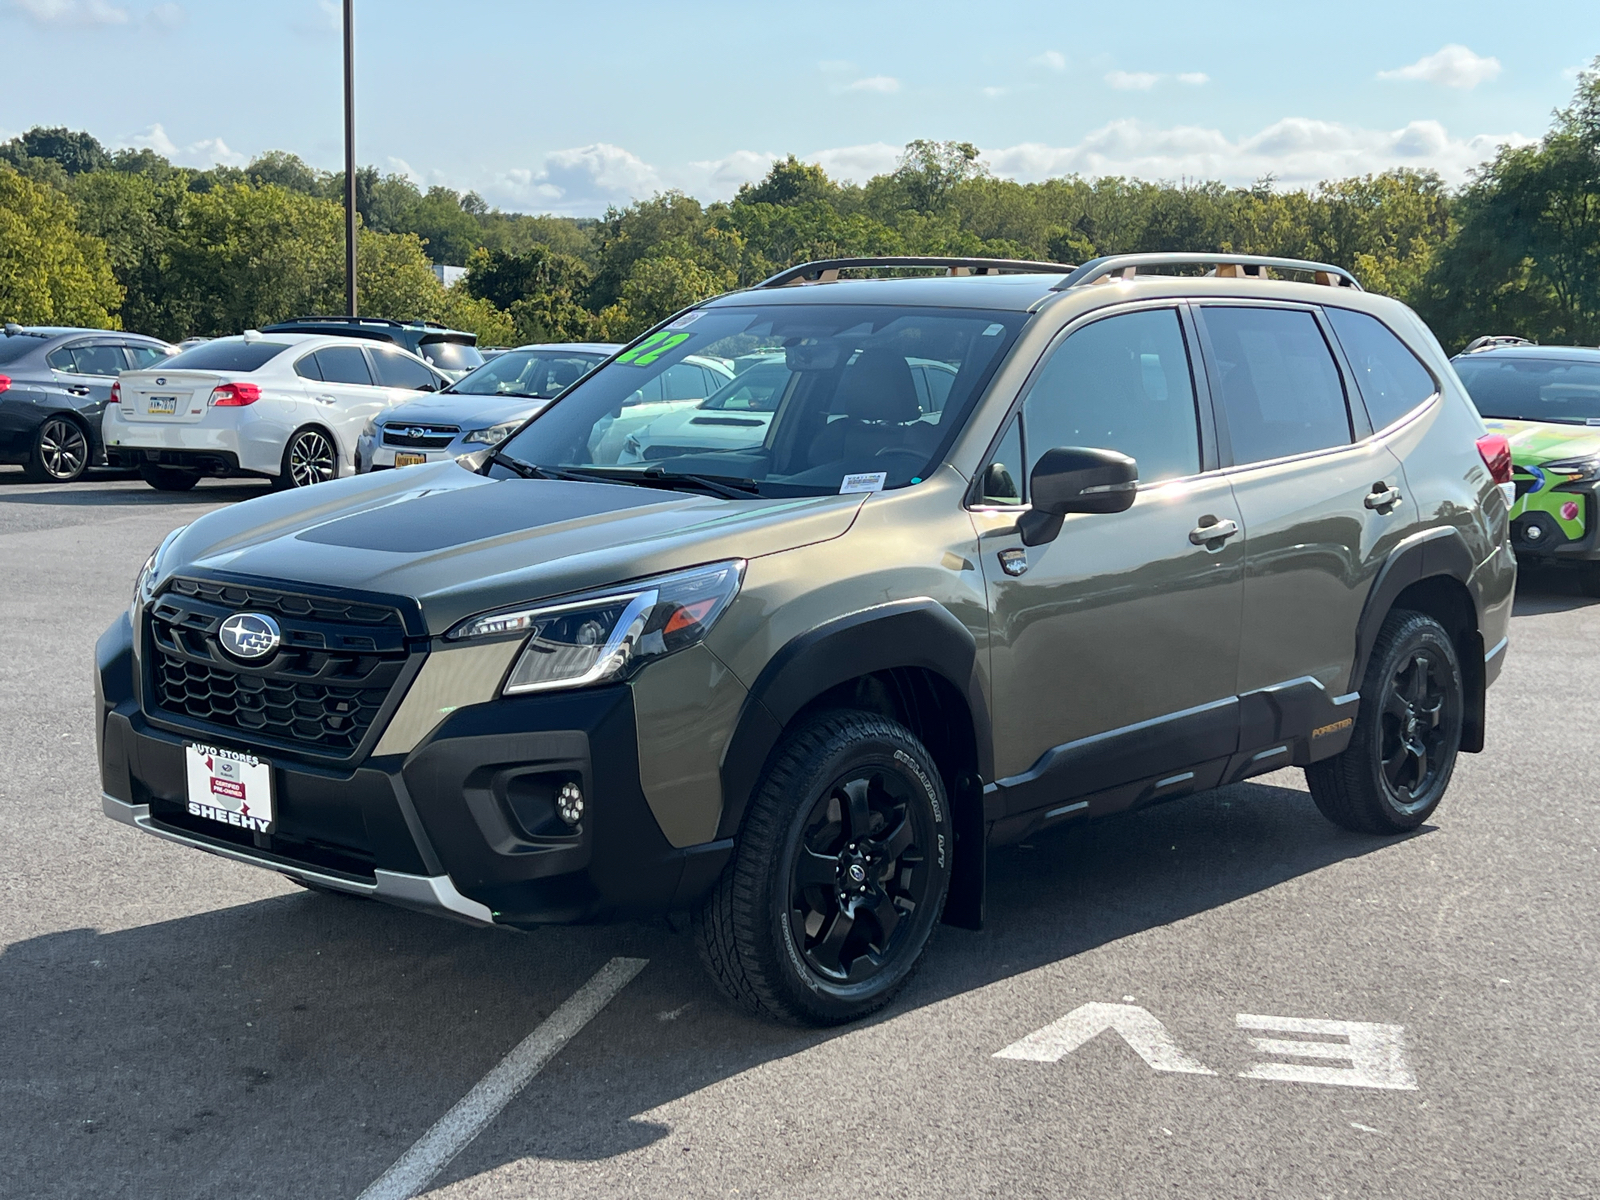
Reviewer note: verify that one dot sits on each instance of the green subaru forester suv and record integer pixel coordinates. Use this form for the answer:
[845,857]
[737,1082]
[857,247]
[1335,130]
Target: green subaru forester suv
[1157,523]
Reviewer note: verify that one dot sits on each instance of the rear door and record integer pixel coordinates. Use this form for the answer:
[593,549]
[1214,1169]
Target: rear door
[1321,499]
[83,371]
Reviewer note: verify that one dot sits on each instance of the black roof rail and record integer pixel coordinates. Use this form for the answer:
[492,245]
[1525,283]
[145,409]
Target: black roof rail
[826,270]
[1127,266]
[1493,340]
[331,320]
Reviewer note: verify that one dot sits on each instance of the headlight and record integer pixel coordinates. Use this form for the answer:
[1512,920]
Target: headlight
[144,586]
[607,635]
[493,434]
[1573,470]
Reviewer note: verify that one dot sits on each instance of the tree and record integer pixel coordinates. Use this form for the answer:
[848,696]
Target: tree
[51,272]
[74,151]
[790,182]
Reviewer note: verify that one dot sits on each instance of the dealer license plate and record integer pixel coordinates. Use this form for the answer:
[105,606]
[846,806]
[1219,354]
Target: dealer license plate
[409,460]
[162,404]
[229,787]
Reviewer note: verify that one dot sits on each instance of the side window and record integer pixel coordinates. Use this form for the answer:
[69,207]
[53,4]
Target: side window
[1001,482]
[397,371]
[100,359]
[142,356]
[343,364]
[307,368]
[1122,383]
[1277,383]
[684,381]
[1391,379]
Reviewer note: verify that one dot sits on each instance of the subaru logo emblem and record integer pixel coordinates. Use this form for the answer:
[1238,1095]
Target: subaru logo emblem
[250,635]
[160,382]
[418,431]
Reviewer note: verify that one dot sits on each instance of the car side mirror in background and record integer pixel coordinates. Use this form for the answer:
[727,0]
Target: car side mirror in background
[1073,479]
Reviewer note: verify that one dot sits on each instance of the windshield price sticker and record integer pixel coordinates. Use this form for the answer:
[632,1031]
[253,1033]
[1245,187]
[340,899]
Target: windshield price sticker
[871,481]
[229,787]
[652,348]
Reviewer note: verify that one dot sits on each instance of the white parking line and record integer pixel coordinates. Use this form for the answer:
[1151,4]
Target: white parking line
[454,1131]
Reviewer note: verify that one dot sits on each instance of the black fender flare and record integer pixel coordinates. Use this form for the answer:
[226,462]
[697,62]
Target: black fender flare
[918,633]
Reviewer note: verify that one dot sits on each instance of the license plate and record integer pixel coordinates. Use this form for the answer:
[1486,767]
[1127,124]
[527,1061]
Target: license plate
[409,460]
[230,788]
[162,404]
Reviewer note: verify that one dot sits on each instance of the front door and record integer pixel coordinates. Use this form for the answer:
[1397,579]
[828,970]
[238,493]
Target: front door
[1114,648]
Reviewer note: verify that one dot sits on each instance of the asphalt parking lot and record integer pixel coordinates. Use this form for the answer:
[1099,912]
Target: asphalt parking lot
[173,1025]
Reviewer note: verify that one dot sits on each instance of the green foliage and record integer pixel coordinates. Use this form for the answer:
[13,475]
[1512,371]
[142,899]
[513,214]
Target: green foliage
[541,289]
[51,272]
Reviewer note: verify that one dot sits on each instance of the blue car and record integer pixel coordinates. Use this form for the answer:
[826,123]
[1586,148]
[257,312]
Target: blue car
[478,410]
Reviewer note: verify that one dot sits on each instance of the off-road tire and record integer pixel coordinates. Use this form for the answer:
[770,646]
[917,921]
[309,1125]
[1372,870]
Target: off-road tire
[169,479]
[745,928]
[1353,789]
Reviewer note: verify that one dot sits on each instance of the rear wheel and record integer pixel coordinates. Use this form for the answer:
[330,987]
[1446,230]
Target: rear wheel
[839,876]
[169,479]
[60,452]
[1408,733]
[310,457]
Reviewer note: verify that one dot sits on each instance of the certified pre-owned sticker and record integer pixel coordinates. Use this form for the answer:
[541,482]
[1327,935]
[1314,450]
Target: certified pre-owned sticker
[230,788]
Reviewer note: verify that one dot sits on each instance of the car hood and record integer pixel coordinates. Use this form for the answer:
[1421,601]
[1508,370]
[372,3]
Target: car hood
[697,424]
[460,543]
[469,412]
[1536,442]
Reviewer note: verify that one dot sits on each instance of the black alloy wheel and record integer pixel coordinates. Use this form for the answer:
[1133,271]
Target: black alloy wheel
[838,877]
[310,457]
[1408,732]
[60,452]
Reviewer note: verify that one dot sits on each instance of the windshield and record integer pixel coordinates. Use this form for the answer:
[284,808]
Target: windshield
[845,385]
[537,373]
[1533,389]
[226,354]
[451,357]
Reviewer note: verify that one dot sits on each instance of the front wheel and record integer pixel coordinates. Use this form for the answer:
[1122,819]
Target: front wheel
[310,457]
[839,876]
[1408,732]
[60,452]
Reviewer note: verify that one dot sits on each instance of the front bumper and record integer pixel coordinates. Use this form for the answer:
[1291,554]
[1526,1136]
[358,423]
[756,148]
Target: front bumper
[1557,525]
[462,825]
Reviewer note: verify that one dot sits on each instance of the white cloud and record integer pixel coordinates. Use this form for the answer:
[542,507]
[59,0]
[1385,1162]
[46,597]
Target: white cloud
[400,166]
[994,93]
[1194,78]
[857,164]
[1451,66]
[1132,81]
[580,181]
[207,152]
[875,83]
[1297,150]
[1052,60]
[72,12]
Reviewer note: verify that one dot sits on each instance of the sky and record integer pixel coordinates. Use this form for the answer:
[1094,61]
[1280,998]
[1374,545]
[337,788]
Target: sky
[569,108]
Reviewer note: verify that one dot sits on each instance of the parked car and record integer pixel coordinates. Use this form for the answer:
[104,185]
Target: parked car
[681,386]
[288,407]
[1170,532]
[479,410]
[54,387]
[739,414]
[451,352]
[1546,401]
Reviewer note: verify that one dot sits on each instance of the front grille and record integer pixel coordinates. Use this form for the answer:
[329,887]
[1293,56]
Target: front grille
[420,437]
[320,692]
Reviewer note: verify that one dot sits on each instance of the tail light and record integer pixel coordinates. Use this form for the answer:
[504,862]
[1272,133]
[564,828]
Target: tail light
[5,382]
[1496,454]
[234,395]
[116,394]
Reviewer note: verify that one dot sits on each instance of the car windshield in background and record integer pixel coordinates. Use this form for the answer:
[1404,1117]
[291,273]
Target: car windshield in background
[451,356]
[846,387]
[536,373]
[226,355]
[1533,389]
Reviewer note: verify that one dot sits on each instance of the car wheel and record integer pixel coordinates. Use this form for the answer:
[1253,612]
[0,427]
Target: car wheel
[1408,733]
[310,457]
[838,878]
[169,479]
[60,452]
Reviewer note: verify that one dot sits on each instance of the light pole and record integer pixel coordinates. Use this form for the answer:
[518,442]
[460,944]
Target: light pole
[350,157]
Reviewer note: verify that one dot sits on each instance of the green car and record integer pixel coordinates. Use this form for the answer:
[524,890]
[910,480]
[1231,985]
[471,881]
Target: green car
[1546,401]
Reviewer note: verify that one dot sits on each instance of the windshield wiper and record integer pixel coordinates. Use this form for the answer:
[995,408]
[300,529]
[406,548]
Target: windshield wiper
[727,486]
[526,470]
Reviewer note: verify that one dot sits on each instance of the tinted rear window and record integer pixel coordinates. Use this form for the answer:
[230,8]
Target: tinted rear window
[1278,384]
[13,348]
[343,364]
[226,355]
[451,356]
[1391,380]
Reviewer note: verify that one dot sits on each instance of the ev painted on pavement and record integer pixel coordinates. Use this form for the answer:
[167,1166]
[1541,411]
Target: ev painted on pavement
[1167,531]
[287,406]
[1546,401]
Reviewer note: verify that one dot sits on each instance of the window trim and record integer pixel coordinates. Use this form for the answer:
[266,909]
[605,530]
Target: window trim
[1410,413]
[1356,414]
[1205,418]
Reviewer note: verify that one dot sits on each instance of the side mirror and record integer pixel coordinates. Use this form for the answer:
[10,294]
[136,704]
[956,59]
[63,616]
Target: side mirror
[1072,479]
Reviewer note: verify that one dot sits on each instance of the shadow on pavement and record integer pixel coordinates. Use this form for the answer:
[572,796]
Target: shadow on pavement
[1549,589]
[298,1045]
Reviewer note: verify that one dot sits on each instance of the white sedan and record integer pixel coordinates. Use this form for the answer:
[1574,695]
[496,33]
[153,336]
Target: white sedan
[286,406]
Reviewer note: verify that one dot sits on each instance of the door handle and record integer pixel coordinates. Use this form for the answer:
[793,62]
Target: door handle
[1212,530]
[77,391]
[1382,496]
[326,400]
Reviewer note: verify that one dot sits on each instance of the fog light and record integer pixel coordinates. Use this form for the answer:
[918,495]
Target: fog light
[569,803]
[1533,533]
